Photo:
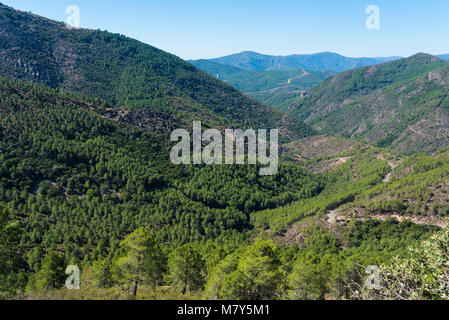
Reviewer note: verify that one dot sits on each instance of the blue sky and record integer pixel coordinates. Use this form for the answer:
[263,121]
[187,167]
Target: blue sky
[195,29]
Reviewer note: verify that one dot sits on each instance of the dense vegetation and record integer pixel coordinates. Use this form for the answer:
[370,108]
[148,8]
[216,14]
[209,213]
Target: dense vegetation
[361,172]
[76,183]
[418,189]
[411,279]
[68,164]
[234,269]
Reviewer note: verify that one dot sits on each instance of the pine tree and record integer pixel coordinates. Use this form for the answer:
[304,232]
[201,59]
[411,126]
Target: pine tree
[186,268]
[52,273]
[142,262]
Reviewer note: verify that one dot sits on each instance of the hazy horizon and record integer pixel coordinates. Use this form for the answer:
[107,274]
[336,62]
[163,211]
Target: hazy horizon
[311,53]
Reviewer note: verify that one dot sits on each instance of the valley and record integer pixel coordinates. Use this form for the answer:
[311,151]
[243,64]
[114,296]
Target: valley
[86,178]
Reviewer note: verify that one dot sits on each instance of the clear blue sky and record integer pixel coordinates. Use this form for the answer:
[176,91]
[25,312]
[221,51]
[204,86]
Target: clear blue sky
[195,29]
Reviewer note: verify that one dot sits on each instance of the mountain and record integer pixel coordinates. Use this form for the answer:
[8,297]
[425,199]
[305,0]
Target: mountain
[86,180]
[249,60]
[401,104]
[127,74]
[444,56]
[274,87]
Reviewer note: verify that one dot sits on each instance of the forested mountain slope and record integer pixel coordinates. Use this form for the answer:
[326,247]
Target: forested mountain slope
[127,74]
[74,183]
[417,191]
[401,104]
[66,166]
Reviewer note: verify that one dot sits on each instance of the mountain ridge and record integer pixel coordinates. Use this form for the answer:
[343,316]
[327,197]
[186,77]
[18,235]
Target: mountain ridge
[250,60]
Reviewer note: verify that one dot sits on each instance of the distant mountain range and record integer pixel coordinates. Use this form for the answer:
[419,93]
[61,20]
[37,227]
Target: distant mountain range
[249,60]
[403,104]
[253,61]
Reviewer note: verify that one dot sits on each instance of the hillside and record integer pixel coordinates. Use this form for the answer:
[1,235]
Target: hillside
[417,191]
[249,60]
[76,183]
[319,146]
[400,104]
[58,148]
[127,74]
[274,87]
[361,185]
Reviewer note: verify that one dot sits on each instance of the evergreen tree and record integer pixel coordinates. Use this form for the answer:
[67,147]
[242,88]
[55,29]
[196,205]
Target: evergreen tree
[142,262]
[52,273]
[101,273]
[12,263]
[186,268]
[253,275]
